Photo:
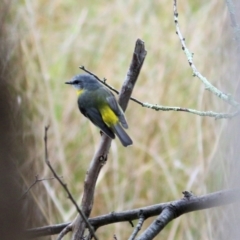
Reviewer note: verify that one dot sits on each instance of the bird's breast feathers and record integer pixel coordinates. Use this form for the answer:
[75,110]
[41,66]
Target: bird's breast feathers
[80,91]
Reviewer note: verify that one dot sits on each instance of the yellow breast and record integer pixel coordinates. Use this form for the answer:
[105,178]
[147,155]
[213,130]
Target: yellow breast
[80,91]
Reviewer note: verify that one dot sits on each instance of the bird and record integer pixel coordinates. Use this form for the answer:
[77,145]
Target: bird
[99,105]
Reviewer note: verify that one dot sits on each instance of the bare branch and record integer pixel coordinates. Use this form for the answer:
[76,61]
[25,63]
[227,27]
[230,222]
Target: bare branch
[34,183]
[138,58]
[67,191]
[225,97]
[64,232]
[96,164]
[216,115]
[188,203]
[104,81]
[164,218]
[46,230]
[100,156]
[157,107]
[139,226]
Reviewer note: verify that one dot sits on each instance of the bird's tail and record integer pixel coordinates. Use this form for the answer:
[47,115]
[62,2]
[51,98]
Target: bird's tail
[122,135]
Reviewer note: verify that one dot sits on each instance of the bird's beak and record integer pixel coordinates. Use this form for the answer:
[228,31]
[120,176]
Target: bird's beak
[68,82]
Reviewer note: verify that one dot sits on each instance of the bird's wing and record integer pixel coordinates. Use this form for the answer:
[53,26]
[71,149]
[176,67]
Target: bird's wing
[95,117]
[117,110]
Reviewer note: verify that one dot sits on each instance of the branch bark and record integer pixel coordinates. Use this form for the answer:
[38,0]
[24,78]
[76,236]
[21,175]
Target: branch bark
[166,211]
[189,203]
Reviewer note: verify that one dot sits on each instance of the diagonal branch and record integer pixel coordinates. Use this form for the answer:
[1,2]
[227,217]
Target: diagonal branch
[225,97]
[37,180]
[187,204]
[101,155]
[139,225]
[104,81]
[157,107]
[67,191]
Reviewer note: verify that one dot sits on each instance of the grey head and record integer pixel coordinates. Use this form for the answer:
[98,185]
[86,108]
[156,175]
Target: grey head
[84,81]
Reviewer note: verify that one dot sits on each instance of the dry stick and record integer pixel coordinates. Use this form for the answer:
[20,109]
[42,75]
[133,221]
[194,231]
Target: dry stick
[225,97]
[139,225]
[104,81]
[34,183]
[216,115]
[100,156]
[46,230]
[67,191]
[158,107]
[187,204]
[64,232]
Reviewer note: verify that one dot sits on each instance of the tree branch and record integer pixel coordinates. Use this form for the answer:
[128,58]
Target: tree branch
[216,115]
[157,107]
[188,203]
[34,183]
[225,97]
[104,81]
[139,225]
[91,230]
[100,156]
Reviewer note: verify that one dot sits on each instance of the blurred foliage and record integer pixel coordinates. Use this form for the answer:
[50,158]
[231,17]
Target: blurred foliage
[172,151]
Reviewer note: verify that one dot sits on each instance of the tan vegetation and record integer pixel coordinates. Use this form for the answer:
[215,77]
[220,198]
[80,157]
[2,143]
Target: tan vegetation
[172,151]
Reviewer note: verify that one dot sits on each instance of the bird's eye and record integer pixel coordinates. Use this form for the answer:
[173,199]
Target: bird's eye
[76,82]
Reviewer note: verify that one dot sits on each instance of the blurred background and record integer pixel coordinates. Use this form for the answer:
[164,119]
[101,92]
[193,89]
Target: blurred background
[172,151]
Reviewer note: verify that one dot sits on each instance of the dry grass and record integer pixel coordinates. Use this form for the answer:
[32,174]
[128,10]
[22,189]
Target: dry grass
[172,151]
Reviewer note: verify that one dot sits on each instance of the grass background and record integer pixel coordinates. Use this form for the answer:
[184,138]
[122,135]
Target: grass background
[172,151]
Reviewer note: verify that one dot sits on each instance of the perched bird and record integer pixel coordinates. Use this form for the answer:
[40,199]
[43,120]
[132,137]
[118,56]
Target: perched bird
[97,103]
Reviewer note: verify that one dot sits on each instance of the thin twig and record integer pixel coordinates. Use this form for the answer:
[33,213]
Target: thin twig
[104,81]
[227,98]
[34,183]
[216,115]
[159,223]
[157,107]
[64,232]
[139,225]
[66,188]
[188,203]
